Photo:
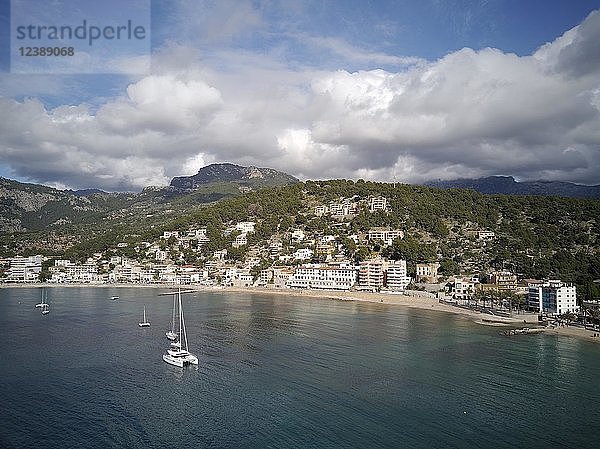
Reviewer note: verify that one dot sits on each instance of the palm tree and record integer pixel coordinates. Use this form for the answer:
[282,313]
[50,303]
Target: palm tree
[594,315]
[584,311]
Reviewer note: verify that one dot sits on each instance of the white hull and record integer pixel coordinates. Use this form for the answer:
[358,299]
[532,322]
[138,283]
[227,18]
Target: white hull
[178,354]
[180,361]
[40,305]
[145,322]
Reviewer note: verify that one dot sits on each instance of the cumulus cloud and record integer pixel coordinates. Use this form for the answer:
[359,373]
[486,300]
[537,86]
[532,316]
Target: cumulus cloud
[470,113]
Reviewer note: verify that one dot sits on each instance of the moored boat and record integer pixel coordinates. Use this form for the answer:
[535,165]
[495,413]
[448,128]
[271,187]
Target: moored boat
[145,322]
[178,353]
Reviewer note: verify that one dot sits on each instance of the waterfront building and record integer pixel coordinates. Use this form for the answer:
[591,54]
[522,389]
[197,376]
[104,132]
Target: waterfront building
[281,275]
[265,276]
[553,297]
[505,280]
[370,274]
[238,277]
[67,271]
[396,278]
[464,288]
[427,272]
[320,276]
[24,269]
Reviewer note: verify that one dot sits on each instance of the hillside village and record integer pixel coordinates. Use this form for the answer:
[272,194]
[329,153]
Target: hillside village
[308,236]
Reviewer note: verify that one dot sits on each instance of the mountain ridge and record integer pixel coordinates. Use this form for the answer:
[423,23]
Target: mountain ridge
[226,172]
[508,185]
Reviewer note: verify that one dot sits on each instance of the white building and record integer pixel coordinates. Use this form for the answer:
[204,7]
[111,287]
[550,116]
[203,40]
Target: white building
[321,210]
[161,255]
[396,278]
[297,235]
[220,255]
[24,269]
[485,235]
[274,249]
[386,234]
[67,271]
[370,274]
[281,275]
[200,235]
[318,276]
[238,277]
[240,240]
[464,288]
[377,203]
[303,254]
[245,227]
[342,209]
[168,234]
[266,276]
[552,297]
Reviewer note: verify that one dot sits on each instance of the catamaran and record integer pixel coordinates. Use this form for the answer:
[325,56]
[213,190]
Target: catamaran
[144,322]
[178,354]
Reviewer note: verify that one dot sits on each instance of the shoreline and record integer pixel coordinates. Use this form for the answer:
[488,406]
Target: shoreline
[402,300]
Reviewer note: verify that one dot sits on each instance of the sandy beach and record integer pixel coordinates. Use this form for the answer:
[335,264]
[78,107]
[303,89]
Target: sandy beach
[412,301]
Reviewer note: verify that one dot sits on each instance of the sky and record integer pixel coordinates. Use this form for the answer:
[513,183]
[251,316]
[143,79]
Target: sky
[409,91]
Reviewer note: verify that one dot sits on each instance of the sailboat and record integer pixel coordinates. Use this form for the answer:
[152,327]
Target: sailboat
[44,305]
[41,304]
[144,322]
[171,334]
[178,354]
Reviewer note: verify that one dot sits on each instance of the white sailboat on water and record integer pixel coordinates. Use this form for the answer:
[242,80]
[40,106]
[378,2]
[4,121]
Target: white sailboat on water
[144,322]
[171,334]
[41,304]
[44,304]
[178,353]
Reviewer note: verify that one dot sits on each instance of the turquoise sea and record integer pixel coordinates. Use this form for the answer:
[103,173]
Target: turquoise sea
[283,373]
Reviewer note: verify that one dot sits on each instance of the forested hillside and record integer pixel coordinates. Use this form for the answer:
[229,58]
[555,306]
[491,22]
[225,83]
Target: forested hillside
[537,237]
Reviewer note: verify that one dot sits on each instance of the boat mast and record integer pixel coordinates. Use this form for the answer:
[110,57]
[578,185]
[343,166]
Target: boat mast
[173,317]
[180,317]
[182,332]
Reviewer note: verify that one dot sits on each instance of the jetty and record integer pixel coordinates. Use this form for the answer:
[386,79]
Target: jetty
[522,331]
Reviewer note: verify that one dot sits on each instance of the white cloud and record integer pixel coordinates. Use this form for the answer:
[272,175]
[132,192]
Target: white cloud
[355,54]
[470,113]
